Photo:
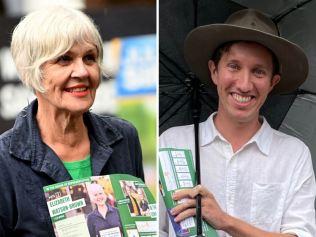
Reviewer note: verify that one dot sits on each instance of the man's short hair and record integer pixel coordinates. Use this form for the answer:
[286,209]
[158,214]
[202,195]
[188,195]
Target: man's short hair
[46,34]
[224,48]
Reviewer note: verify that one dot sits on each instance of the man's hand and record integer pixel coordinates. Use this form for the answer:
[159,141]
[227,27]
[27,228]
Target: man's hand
[213,214]
[211,211]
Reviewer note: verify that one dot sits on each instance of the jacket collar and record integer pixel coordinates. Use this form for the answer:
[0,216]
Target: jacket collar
[26,144]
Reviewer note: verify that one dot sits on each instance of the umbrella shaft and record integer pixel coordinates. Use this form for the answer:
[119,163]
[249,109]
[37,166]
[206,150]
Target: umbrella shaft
[199,229]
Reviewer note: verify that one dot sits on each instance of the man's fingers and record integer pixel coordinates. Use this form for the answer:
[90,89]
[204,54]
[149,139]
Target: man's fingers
[191,193]
[186,204]
[199,189]
[181,194]
[185,214]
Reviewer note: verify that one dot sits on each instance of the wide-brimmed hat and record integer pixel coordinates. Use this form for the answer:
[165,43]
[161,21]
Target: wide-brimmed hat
[246,25]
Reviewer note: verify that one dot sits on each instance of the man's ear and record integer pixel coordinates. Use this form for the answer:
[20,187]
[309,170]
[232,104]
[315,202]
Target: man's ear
[213,71]
[274,81]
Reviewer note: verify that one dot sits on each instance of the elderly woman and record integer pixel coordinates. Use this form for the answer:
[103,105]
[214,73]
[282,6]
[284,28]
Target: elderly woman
[58,53]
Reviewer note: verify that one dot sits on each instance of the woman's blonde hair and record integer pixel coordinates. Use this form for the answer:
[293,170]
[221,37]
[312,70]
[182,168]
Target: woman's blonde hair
[47,34]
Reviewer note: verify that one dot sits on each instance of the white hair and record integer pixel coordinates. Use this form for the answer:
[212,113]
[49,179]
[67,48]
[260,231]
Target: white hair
[47,34]
[94,187]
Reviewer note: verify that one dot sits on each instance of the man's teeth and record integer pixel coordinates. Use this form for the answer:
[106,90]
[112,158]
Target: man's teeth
[241,99]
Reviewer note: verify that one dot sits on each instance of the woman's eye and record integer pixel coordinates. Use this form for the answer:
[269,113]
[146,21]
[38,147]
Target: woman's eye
[64,59]
[90,58]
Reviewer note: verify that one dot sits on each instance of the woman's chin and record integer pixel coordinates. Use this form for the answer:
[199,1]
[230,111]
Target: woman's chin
[78,110]
[77,107]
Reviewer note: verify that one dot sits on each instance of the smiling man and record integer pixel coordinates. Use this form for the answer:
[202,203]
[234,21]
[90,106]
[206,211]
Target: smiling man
[256,181]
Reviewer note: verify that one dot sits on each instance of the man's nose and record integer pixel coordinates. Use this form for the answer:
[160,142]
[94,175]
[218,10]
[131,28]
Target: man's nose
[79,69]
[244,82]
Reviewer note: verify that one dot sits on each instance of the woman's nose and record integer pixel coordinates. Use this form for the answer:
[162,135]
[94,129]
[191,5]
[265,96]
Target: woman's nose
[79,69]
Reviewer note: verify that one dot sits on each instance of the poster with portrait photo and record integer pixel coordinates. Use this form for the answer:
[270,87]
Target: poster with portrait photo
[104,219]
[68,204]
[138,204]
[97,207]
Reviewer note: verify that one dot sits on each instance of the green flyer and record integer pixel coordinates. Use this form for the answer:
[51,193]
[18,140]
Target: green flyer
[176,171]
[102,206]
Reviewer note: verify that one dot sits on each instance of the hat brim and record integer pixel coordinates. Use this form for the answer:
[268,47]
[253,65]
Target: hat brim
[201,43]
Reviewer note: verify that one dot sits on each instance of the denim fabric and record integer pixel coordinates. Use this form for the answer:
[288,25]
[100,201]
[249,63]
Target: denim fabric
[27,164]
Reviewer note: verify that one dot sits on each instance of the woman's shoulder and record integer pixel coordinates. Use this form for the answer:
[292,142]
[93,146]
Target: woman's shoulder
[91,216]
[5,140]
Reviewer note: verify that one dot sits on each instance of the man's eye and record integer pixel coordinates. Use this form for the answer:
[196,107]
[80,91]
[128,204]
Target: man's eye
[233,66]
[259,72]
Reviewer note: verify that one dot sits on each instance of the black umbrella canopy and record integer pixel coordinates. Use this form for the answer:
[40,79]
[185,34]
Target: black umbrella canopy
[176,20]
[292,113]
[296,22]
[271,8]
[300,120]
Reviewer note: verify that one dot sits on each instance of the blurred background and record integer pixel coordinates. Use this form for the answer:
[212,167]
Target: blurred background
[128,29]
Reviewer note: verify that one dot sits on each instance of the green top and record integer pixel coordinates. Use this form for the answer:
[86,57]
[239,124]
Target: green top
[79,169]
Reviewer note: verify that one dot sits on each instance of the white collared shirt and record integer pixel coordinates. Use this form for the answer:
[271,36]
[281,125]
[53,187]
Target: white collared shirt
[268,183]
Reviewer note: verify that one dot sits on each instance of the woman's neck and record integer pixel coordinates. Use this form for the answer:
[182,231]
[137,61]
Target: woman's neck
[64,132]
[103,209]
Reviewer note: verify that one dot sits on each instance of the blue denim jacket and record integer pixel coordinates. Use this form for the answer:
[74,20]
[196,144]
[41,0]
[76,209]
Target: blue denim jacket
[27,164]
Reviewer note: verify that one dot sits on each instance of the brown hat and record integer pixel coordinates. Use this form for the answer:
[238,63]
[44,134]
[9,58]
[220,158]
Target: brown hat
[246,25]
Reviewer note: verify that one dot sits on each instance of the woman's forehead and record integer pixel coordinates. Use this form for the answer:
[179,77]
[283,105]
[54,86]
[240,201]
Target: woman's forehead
[96,188]
[83,46]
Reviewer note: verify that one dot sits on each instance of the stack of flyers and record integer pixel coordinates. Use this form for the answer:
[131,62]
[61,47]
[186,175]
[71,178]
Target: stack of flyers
[102,206]
[176,171]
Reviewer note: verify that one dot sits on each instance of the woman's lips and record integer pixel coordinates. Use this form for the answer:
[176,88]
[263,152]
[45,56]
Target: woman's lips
[78,91]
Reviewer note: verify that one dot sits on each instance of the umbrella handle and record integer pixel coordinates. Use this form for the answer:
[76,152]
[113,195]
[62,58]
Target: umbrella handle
[199,229]
[196,110]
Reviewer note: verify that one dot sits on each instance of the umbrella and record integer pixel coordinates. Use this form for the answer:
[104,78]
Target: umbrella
[176,20]
[287,112]
[183,99]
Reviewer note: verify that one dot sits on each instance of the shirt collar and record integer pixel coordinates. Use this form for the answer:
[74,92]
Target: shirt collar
[208,131]
[110,210]
[262,138]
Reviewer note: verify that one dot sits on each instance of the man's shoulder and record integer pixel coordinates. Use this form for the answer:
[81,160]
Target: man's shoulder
[286,138]
[176,131]
[288,143]
[177,137]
